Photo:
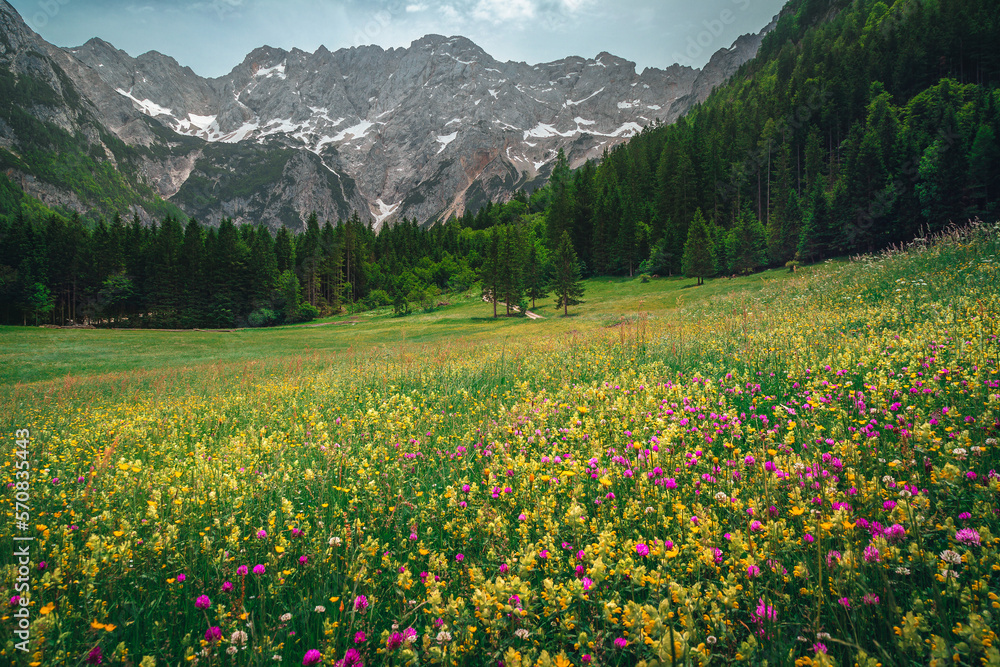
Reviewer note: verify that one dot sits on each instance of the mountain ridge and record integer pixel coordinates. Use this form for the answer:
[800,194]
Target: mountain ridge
[423,132]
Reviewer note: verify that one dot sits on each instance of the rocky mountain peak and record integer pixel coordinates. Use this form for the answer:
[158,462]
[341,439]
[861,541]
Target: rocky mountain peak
[424,131]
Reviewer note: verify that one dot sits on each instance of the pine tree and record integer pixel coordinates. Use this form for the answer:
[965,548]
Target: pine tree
[194,290]
[288,288]
[489,274]
[559,217]
[331,272]
[535,279]
[813,158]
[511,266]
[984,166]
[284,250]
[166,280]
[747,243]
[814,237]
[263,265]
[308,254]
[699,260]
[566,275]
[584,201]
[607,222]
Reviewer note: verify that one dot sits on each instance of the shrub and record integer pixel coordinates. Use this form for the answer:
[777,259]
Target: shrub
[308,312]
[263,317]
[377,299]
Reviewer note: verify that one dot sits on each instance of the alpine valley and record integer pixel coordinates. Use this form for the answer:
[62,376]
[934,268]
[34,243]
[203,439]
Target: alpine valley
[423,132]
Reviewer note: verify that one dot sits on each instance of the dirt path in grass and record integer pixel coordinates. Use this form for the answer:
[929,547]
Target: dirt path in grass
[530,315]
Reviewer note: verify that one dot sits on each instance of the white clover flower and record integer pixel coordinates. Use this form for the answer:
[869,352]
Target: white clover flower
[951,557]
[238,638]
[444,637]
[231,650]
[319,609]
[522,633]
[284,618]
[335,541]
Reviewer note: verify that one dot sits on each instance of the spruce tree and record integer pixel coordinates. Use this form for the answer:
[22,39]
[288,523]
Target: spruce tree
[816,235]
[699,260]
[747,243]
[511,266]
[566,275]
[194,290]
[984,166]
[535,279]
[288,288]
[559,217]
[489,274]
[284,250]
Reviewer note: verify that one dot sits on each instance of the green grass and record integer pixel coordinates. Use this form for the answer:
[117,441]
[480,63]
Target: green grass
[31,355]
[659,440]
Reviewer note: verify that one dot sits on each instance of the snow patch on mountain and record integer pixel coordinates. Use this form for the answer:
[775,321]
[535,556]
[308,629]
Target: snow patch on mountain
[445,140]
[239,135]
[276,71]
[148,107]
[354,132]
[570,103]
[544,130]
[384,212]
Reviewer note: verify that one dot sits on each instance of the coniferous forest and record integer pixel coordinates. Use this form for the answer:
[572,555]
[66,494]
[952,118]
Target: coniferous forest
[860,124]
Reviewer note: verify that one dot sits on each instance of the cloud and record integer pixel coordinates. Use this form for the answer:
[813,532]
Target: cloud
[222,8]
[213,35]
[450,13]
[500,11]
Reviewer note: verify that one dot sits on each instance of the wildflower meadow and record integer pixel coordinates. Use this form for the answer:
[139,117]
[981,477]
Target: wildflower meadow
[800,474]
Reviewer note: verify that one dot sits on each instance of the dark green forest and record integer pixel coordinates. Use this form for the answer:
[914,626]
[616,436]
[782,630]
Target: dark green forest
[860,124]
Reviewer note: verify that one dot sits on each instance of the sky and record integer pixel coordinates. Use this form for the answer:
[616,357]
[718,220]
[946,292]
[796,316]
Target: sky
[213,36]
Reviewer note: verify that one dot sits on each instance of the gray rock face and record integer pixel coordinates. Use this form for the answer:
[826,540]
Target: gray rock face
[420,132]
[723,64]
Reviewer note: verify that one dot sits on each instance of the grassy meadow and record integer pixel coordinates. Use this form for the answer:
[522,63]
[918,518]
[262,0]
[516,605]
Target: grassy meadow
[783,469]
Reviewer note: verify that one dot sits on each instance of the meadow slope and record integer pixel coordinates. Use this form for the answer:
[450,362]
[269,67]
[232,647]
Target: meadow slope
[784,469]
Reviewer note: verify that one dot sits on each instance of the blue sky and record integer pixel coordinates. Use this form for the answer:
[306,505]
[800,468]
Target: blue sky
[213,36]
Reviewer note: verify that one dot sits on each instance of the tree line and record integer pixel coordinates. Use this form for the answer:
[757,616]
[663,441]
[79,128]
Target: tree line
[59,270]
[860,123]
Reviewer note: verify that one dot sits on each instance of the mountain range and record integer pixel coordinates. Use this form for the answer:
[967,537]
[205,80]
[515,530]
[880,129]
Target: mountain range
[422,132]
